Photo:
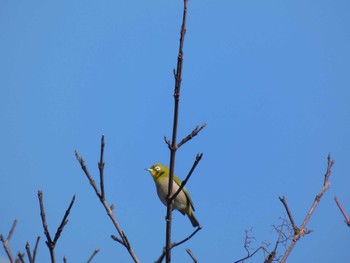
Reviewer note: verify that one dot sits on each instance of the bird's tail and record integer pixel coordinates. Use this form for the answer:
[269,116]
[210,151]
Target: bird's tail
[193,219]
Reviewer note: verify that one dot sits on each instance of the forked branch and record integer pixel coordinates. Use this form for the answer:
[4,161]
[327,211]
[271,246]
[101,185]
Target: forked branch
[175,244]
[29,254]
[191,135]
[301,231]
[5,242]
[101,195]
[49,242]
[247,243]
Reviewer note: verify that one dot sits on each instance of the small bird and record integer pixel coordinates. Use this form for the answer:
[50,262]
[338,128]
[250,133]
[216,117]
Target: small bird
[183,201]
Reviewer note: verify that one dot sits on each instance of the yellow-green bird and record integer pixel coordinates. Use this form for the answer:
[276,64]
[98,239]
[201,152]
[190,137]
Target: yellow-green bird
[183,201]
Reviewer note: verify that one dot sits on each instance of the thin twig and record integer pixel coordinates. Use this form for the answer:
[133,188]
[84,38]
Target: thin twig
[175,244]
[64,259]
[282,238]
[198,158]
[191,135]
[162,256]
[93,255]
[101,166]
[20,257]
[249,255]
[301,231]
[36,248]
[191,255]
[63,222]
[187,238]
[109,209]
[284,202]
[247,243]
[118,240]
[87,173]
[347,220]
[6,241]
[29,254]
[167,142]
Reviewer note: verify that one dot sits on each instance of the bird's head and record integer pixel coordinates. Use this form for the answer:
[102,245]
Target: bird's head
[158,170]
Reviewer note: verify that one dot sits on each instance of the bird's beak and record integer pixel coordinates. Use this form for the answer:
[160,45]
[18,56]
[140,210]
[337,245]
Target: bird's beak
[148,169]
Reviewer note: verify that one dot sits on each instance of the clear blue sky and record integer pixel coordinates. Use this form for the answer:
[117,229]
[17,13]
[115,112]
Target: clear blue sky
[270,78]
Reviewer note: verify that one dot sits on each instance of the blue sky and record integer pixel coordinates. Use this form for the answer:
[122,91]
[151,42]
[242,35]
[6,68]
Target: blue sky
[270,79]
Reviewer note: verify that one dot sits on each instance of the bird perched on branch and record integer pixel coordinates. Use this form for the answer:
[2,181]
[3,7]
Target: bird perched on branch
[183,201]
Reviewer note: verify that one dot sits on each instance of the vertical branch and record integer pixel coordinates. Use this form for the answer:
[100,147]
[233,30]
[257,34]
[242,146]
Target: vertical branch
[101,166]
[173,147]
[49,242]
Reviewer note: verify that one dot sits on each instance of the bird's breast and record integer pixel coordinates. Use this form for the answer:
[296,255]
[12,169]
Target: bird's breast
[180,202]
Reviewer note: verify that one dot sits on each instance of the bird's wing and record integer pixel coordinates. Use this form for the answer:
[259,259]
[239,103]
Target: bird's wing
[179,182]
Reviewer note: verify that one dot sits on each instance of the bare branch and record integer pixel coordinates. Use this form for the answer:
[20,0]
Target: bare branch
[283,236]
[198,158]
[101,166]
[20,257]
[118,240]
[36,248]
[175,244]
[187,238]
[247,243]
[29,253]
[63,222]
[191,255]
[282,239]
[330,163]
[301,231]
[64,259]
[109,209]
[347,220]
[250,254]
[162,256]
[6,241]
[173,147]
[87,173]
[284,202]
[93,255]
[51,244]
[271,257]
[191,135]
[43,218]
[167,142]
[30,257]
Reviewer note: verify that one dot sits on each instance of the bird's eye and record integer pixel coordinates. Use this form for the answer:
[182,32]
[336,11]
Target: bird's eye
[157,168]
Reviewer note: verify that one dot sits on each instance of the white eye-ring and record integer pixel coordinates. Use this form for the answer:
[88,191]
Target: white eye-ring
[157,168]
